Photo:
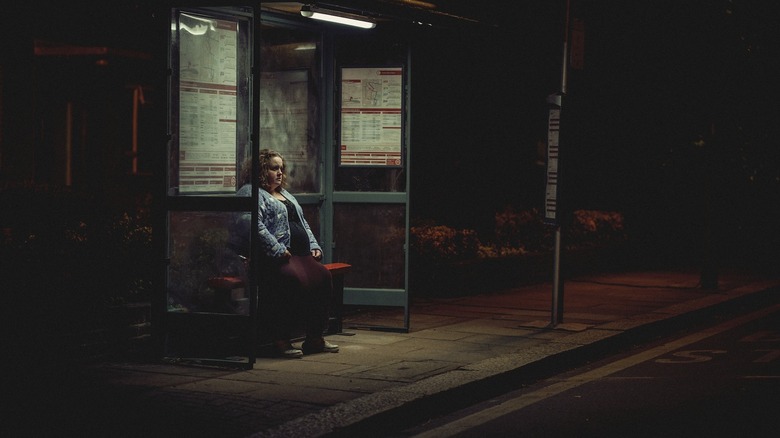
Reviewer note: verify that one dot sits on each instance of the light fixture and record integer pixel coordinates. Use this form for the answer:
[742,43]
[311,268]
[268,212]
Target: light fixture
[305,46]
[318,13]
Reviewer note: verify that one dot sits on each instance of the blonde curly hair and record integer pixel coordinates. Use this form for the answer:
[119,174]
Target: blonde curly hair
[265,164]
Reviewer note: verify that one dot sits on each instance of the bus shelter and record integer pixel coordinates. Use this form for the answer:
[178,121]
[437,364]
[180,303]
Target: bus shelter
[336,104]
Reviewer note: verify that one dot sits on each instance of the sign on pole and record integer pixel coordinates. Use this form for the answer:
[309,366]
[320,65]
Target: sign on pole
[553,143]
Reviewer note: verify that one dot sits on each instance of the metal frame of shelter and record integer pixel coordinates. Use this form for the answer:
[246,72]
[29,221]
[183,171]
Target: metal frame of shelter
[206,310]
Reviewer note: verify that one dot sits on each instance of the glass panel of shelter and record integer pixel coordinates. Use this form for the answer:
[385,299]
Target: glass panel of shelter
[289,103]
[204,274]
[207,286]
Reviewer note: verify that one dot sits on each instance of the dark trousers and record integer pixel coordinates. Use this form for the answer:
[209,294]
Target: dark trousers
[293,292]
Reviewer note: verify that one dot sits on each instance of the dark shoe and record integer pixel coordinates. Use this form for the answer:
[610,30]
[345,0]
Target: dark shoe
[286,349]
[318,346]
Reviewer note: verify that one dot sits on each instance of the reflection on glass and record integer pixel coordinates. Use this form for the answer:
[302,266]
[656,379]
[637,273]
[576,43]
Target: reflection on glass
[371,238]
[289,96]
[210,104]
[351,179]
[312,215]
[207,271]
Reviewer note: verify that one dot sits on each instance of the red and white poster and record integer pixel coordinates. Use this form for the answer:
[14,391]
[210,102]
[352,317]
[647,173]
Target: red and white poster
[371,116]
[208,104]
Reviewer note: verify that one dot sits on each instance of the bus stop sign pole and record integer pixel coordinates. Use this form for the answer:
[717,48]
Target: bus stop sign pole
[552,191]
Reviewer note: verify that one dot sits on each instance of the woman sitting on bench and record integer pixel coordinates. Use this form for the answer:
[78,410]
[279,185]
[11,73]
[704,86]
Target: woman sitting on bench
[292,278]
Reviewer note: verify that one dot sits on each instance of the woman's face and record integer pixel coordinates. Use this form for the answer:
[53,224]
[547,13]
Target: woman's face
[275,171]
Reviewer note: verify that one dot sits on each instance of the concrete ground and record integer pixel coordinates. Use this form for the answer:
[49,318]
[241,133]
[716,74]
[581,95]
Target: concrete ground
[457,351]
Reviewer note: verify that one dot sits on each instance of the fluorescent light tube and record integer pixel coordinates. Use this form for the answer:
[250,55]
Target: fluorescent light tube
[323,16]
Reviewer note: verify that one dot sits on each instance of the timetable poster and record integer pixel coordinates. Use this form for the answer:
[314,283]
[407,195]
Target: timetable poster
[207,104]
[371,116]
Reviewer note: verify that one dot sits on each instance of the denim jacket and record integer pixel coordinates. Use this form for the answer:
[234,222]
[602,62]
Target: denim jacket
[273,225]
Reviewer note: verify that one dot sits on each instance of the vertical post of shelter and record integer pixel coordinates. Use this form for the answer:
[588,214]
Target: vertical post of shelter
[69,144]
[557,300]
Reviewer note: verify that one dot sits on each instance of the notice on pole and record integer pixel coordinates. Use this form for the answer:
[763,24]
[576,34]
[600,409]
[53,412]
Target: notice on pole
[371,116]
[208,103]
[551,191]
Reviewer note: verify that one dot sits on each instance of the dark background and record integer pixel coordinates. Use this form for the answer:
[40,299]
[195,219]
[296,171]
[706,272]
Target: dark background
[672,121]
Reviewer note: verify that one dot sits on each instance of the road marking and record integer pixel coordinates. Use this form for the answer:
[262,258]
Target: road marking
[770,356]
[525,400]
[691,356]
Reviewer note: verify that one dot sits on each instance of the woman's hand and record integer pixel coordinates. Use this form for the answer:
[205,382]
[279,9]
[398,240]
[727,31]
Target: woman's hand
[317,254]
[286,255]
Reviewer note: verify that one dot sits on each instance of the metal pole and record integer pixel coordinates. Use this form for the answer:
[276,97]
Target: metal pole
[565,63]
[136,97]
[69,144]
[557,301]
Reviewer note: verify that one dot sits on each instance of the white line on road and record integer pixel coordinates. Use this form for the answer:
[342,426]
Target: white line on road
[524,400]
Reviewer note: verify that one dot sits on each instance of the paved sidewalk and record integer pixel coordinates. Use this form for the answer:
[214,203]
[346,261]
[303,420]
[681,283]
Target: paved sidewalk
[458,350]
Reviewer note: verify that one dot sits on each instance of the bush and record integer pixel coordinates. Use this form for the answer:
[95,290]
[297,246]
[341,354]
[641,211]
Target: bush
[595,228]
[71,254]
[439,243]
[522,229]
[516,233]
[451,262]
